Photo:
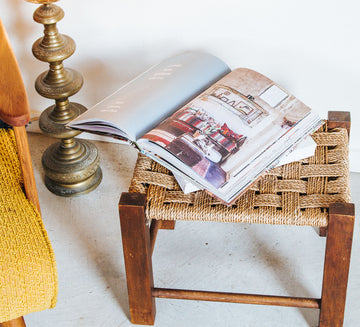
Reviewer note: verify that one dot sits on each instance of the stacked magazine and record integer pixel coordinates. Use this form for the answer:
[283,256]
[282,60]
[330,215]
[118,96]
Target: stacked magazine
[216,129]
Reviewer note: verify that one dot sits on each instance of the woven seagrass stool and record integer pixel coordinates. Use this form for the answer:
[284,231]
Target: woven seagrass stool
[311,192]
[28,278]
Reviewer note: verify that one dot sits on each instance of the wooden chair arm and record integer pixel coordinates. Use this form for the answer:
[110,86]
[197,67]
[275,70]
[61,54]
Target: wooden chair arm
[26,166]
[14,110]
[14,105]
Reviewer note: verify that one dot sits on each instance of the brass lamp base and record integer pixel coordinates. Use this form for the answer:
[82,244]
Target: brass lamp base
[76,189]
[71,167]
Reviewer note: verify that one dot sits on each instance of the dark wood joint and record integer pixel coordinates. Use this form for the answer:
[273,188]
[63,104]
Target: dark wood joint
[322,231]
[167,224]
[132,199]
[338,119]
[344,209]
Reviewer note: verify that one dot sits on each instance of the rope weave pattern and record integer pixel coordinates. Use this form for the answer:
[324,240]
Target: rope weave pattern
[28,278]
[298,193]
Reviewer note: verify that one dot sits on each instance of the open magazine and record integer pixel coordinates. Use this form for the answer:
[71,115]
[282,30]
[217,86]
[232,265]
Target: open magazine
[216,128]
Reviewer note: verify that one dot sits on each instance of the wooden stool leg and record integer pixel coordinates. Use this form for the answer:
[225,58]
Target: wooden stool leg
[18,322]
[337,262]
[137,255]
[167,224]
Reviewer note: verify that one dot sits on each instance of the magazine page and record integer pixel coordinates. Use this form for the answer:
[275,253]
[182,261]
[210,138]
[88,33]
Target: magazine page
[305,148]
[151,97]
[230,131]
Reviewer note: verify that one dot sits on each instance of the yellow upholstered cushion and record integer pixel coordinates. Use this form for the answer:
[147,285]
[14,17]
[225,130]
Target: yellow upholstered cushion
[28,277]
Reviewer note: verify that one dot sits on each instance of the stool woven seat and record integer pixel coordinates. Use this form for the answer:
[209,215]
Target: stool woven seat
[298,193]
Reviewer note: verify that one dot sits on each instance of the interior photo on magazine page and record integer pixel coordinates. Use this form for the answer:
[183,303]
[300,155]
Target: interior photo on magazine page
[235,122]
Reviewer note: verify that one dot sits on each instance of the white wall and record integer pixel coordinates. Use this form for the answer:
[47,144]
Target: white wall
[310,47]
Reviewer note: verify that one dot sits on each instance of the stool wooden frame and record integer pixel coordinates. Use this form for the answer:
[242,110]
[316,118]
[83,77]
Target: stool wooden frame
[138,237]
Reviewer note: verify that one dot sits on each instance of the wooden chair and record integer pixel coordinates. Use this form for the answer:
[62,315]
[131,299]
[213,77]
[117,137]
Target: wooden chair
[28,278]
[312,192]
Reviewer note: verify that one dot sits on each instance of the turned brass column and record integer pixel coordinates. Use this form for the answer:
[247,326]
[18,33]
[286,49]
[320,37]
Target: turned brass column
[71,166]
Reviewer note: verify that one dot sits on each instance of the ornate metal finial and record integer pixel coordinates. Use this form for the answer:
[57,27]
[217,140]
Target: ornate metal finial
[71,165]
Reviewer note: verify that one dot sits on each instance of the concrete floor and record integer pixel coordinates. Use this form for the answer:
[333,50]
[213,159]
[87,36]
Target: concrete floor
[85,234]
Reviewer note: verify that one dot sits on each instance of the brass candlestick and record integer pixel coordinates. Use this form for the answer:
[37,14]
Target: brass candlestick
[71,165]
